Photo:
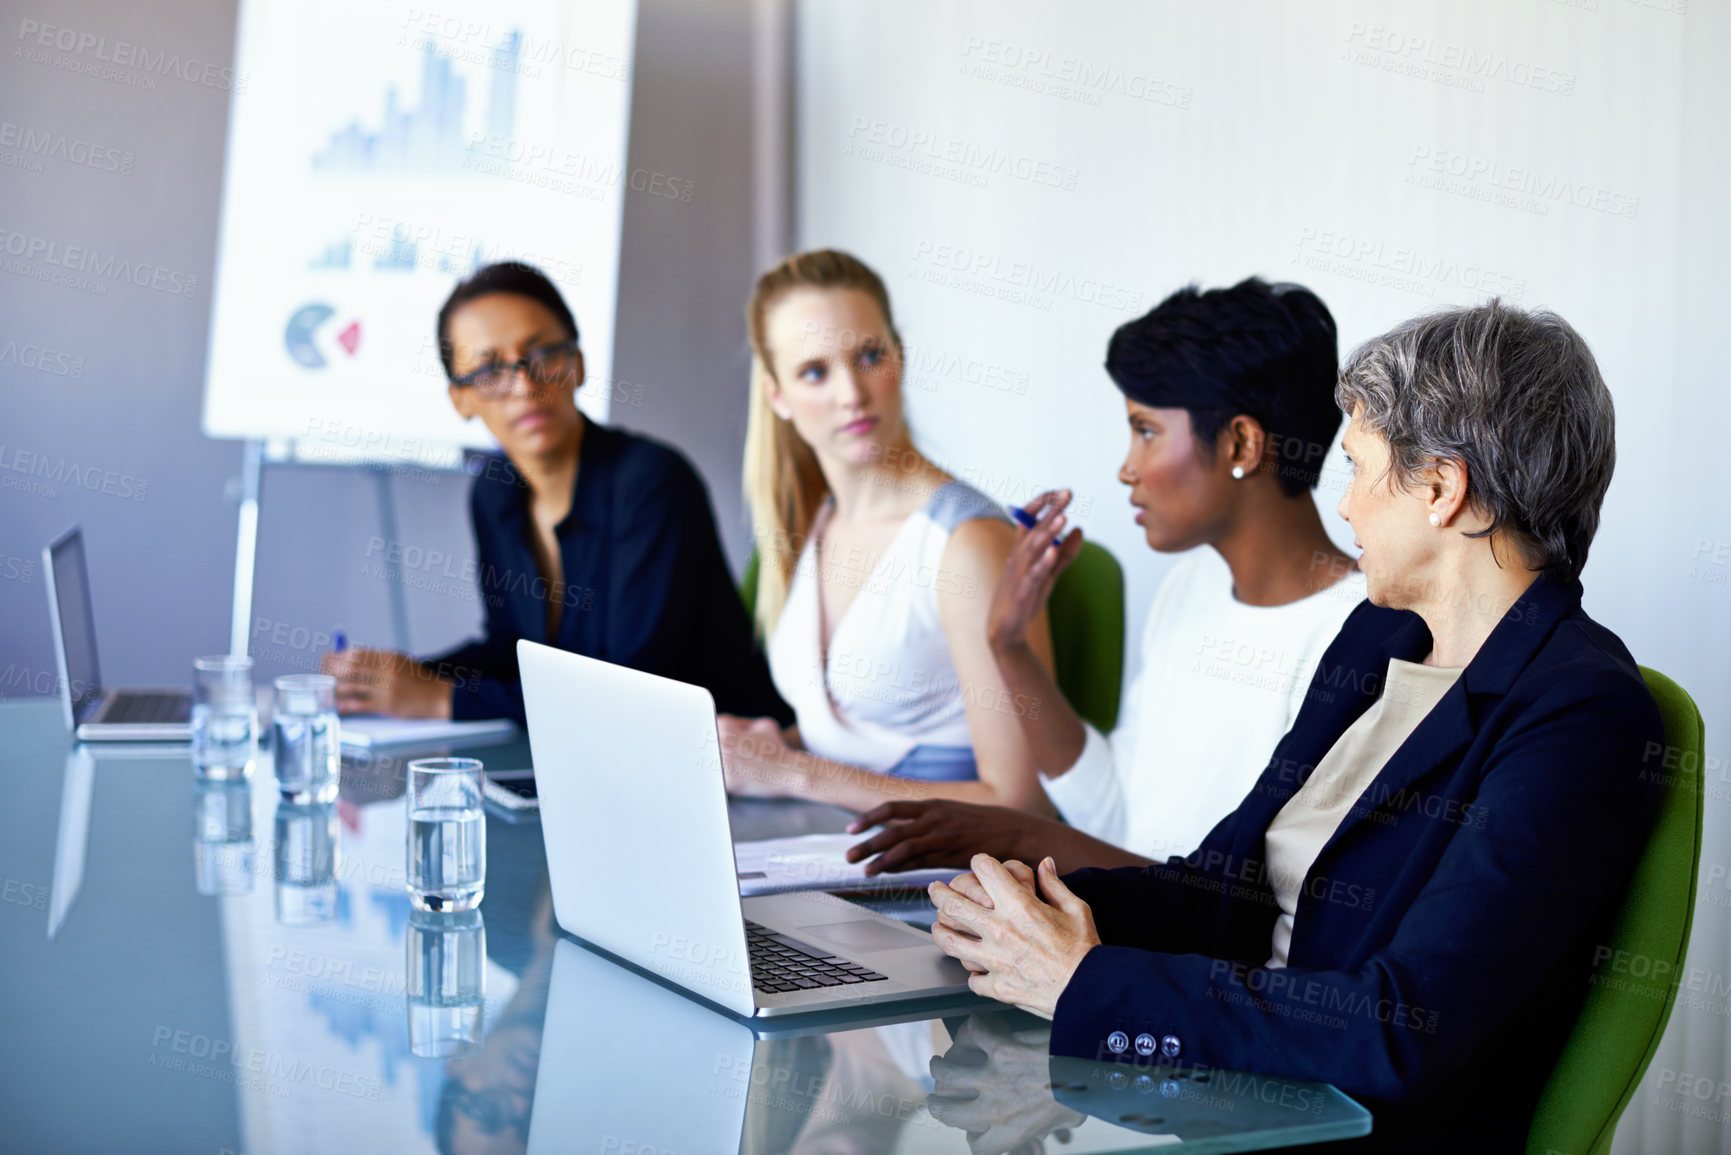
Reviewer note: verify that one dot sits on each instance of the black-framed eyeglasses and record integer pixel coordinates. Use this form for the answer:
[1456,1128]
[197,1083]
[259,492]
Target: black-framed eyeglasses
[543,366]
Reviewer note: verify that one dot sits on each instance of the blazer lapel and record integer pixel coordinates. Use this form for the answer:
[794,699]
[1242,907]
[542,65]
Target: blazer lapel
[1449,728]
[1346,683]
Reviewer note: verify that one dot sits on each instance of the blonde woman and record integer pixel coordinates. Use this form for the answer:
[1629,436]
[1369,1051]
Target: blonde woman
[877,569]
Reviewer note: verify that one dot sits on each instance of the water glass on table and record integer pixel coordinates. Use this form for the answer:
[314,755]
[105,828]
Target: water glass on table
[306,740]
[447,839]
[224,716]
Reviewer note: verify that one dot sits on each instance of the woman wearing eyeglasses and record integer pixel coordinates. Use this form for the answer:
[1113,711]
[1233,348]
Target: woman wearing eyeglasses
[587,537]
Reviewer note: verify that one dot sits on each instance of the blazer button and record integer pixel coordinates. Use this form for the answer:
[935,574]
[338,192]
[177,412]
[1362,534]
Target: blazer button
[1170,1046]
[1144,1044]
[1117,1042]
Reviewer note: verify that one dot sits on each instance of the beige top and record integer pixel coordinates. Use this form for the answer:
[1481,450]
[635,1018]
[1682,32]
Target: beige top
[1312,815]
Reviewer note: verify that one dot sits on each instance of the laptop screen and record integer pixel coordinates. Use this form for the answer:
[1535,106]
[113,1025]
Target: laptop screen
[77,631]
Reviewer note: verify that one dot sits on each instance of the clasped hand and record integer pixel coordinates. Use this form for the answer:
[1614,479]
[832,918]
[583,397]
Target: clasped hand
[1021,933]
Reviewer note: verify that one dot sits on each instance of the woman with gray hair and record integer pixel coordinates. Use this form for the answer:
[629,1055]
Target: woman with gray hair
[1407,902]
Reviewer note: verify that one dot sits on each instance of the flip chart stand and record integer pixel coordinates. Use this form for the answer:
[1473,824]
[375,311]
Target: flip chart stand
[254,456]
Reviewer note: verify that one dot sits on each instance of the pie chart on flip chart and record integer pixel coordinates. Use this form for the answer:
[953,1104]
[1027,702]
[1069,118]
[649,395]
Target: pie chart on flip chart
[307,337]
[426,143]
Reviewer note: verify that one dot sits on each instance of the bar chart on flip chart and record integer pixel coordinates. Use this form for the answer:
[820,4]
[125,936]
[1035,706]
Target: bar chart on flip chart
[376,156]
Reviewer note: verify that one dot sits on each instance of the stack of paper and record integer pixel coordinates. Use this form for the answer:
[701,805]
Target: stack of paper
[817,862]
[369,731]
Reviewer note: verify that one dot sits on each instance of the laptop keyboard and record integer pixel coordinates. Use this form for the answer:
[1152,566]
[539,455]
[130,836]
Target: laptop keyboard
[136,707]
[781,962]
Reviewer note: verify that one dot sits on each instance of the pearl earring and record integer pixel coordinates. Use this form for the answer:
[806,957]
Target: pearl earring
[1238,472]
[1436,520]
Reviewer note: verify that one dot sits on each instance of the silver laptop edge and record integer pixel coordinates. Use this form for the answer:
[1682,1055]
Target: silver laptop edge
[65,683]
[640,853]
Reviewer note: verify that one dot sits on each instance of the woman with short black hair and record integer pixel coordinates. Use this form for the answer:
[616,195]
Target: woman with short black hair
[1229,398]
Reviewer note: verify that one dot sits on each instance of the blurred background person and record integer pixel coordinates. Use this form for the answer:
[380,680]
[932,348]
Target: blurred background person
[877,568]
[587,537]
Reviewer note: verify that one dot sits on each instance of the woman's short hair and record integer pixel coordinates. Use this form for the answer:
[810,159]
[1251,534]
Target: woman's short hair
[512,277]
[1265,351]
[1517,397]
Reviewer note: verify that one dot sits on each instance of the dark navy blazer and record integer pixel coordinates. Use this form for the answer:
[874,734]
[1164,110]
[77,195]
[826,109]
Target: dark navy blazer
[646,585]
[1444,938]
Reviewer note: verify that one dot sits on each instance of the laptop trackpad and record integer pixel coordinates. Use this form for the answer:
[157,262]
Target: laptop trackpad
[867,935]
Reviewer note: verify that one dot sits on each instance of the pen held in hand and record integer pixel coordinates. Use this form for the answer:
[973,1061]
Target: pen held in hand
[1029,521]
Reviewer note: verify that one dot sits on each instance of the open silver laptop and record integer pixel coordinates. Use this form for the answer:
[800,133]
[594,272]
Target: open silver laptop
[92,713]
[640,855]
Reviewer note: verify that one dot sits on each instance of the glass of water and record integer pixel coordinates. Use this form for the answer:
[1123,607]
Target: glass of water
[446,982]
[224,716]
[306,742]
[306,864]
[447,849]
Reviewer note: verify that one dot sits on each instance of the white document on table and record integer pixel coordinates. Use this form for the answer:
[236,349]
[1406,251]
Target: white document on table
[370,731]
[817,862]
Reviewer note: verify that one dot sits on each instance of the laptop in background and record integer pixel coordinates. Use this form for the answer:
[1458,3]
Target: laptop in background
[92,713]
[640,855]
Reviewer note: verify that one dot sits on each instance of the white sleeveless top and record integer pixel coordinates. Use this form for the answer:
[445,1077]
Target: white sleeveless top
[888,698]
[1220,682]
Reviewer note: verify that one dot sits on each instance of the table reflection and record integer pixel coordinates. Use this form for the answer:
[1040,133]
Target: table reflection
[487,1097]
[319,1013]
[994,1084]
[306,854]
[446,981]
[223,847]
[72,836]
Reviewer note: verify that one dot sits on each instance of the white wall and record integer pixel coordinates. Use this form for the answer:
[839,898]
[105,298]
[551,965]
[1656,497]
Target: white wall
[1155,143]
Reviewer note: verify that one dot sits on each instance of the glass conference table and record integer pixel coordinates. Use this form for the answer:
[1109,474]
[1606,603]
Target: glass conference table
[192,967]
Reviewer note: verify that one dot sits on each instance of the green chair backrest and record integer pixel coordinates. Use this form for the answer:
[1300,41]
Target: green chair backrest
[1086,612]
[748,584]
[1635,983]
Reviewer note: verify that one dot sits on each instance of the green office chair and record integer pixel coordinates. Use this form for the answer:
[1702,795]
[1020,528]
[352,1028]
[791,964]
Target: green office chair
[748,585]
[1607,1053]
[1086,612]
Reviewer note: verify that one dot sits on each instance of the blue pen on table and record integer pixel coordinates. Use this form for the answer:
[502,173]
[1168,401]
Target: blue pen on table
[1029,521]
